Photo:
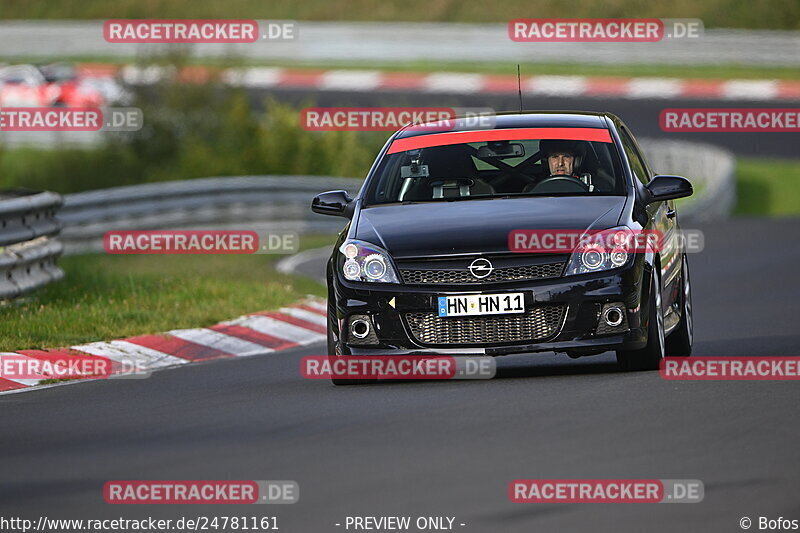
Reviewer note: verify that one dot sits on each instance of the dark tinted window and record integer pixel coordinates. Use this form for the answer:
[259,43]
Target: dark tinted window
[494,169]
[634,157]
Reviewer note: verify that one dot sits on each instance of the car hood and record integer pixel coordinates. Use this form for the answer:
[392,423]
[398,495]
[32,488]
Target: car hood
[479,226]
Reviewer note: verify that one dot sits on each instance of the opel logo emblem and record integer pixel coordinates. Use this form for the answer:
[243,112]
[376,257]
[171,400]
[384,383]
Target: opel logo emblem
[481,268]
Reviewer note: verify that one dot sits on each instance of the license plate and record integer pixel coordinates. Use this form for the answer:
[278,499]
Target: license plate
[482,304]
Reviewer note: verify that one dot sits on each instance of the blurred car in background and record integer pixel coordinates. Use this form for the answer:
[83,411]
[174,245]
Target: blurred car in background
[57,84]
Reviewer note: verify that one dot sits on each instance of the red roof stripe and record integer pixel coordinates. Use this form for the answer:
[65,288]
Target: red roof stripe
[515,134]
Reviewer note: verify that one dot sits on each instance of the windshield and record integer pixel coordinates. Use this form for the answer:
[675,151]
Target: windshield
[497,168]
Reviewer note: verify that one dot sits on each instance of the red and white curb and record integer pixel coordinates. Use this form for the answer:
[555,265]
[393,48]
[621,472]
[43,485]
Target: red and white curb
[249,335]
[461,83]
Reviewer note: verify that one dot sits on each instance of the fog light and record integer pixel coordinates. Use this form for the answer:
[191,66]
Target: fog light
[360,328]
[613,316]
[612,319]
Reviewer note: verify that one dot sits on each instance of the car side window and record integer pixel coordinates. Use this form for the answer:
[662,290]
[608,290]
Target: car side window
[637,164]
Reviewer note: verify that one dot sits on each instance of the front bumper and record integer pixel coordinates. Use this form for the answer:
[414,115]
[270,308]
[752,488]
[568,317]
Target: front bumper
[582,298]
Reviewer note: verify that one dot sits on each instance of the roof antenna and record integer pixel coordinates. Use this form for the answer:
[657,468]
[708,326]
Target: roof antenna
[519,87]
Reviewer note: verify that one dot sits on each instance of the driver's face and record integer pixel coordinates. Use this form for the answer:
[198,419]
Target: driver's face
[561,163]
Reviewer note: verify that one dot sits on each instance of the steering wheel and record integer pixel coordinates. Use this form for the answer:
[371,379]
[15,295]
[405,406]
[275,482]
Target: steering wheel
[556,183]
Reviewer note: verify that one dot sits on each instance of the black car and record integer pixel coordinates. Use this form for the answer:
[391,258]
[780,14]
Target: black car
[426,264]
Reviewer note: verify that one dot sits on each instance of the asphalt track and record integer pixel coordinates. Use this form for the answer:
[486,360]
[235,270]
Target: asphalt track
[447,448]
[641,116]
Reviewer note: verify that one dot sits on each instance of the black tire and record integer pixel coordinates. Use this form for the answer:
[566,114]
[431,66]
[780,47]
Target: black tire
[679,342]
[649,357]
[333,353]
[331,340]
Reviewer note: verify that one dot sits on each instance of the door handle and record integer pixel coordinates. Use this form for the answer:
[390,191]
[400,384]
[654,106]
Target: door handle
[671,213]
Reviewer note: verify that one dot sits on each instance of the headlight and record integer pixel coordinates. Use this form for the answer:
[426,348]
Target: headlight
[593,256]
[363,261]
[602,250]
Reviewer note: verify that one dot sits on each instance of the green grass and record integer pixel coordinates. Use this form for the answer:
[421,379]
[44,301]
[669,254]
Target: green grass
[195,132]
[768,187]
[112,296]
[782,14]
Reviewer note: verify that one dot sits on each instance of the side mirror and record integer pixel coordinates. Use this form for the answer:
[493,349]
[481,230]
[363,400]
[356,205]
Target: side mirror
[336,203]
[668,188]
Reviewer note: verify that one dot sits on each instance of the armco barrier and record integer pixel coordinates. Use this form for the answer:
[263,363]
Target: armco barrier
[711,169]
[282,203]
[28,243]
[259,203]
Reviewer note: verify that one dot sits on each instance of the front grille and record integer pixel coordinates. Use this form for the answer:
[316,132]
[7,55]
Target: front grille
[533,325]
[463,275]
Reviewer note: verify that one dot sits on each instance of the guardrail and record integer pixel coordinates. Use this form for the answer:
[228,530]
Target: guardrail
[376,42]
[281,203]
[28,244]
[262,203]
[711,169]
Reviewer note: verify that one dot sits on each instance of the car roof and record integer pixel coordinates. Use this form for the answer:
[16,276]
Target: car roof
[18,73]
[526,119]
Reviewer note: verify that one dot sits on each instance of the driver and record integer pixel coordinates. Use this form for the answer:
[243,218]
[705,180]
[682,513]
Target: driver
[564,159]
[561,156]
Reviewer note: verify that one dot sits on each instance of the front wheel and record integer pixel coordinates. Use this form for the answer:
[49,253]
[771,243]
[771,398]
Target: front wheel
[679,342]
[649,357]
